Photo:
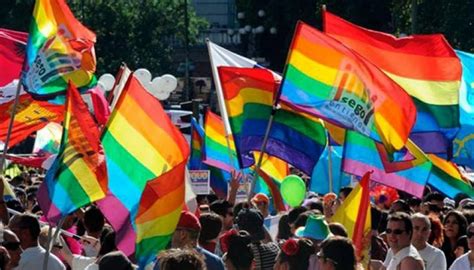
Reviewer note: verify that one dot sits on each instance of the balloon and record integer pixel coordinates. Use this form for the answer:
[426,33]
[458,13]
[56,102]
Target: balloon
[107,81]
[293,190]
[170,82]
[143,75]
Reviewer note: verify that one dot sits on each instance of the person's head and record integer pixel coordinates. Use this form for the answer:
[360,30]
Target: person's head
[239,254]
[421,230]
[224,209]
[470,236]
[181,259]
[187,231]
[261,202]
[211,226]
[294,254]
[436,237]
[12,244]
[316,229]
[27,228]
[337,253]
[251,220]
[461,246]
[293,215]
[115,260]
[284,230]
[107,242]
[399,231]
[94,221]
[399,206]
[338,229]
[344,192]
[454,224]
[435,198]
[415,204]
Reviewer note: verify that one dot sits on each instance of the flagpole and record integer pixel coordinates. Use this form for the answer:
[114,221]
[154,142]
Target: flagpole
[10,127]
[330,168]
[51,240]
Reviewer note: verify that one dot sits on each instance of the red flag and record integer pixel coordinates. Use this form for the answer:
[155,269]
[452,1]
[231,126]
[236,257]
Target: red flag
[12,53]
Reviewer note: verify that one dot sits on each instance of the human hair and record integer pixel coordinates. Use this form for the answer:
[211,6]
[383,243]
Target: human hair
[436,236]
[29,222]
[403,204]
[211,225]
[181,259]
[301,219]
[345,191]
[340,251]
[433,196]
[107,243]
[239,252]
[420,216]
[284,230]
[295,212]
[220,207]
[402,217]
[338,229]
[296,253]
[468,214]
[462,222]
[462,242]
[94,219]
[239,206]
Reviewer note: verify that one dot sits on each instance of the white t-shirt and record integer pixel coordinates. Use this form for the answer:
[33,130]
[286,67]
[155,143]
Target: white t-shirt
[433,258]
[32,259]
[81,262]
[393,260]
[462,263]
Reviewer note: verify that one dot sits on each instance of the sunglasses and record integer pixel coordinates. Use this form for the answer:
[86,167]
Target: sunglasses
[470,234]
[396,231]
[11,245]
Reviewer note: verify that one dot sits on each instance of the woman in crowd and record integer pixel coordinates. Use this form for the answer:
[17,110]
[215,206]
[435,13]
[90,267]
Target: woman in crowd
[454,226]
[294,254]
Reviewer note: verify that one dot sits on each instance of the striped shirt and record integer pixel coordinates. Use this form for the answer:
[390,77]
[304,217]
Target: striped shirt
[264,255]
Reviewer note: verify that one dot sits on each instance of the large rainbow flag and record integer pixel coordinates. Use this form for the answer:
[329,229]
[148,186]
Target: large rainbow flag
[78,176]
[407,170]
[463,144]
[354,213]
[60,49]
[295,137]
[143,148]
[432,79]
[328,80]
[447,179]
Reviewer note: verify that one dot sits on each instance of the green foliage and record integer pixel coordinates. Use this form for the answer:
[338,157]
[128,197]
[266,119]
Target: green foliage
[139,33]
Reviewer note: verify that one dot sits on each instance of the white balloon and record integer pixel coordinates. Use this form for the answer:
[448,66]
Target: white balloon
[157,85]
[107,80]
[163,95]
[143,75]
[170,82]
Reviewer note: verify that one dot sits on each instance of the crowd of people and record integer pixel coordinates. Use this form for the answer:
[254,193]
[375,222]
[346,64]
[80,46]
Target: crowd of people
[434,232]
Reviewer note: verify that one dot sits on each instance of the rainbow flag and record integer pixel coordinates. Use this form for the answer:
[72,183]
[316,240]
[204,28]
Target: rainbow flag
[217,152]
[463,144]
[432,80]
[354,213]
[78,176]
[218,177]
[60,49]
[328,80]
[48,139]
[407,170]
[141,145]
[447,179]
[295,137]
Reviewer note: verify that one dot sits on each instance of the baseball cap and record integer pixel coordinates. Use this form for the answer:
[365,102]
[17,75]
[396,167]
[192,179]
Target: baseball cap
[188,221]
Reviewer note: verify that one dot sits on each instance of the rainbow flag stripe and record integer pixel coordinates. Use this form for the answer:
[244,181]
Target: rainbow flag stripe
[447,179]
[141,144]
[328,80]
[295,137]
[432,80]
[60,49]
[406,170]
[78,176]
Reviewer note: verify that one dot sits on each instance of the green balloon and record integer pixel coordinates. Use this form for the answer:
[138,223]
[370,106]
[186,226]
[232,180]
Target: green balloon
[293,190]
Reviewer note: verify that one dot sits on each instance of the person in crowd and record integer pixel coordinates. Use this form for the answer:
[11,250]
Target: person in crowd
[293,215]
[433,257]
[239,255]
[294,254]
[27,228]
[12,244]
[4,259]
[466,261]
[284,230]
[337,253]
[401,255]
[344,192]
[186,235]
[400,206]
[461,246]
[261,202]
[328,202]
[415,204]
[454,227]
[181,259]
[115,260]
[224,209]
[316,230]
[264,252]
[211,226]
[379,248]
[94,222]
[338,229]
[436,237]
[435,198]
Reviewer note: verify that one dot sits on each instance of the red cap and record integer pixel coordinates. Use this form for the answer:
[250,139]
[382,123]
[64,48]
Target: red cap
[260,197]
[188,221]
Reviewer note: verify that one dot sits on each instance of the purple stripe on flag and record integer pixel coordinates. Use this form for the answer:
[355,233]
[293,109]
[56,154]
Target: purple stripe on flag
[431,142]
[52,212]
[379,175]
[119,217]
[218,164]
